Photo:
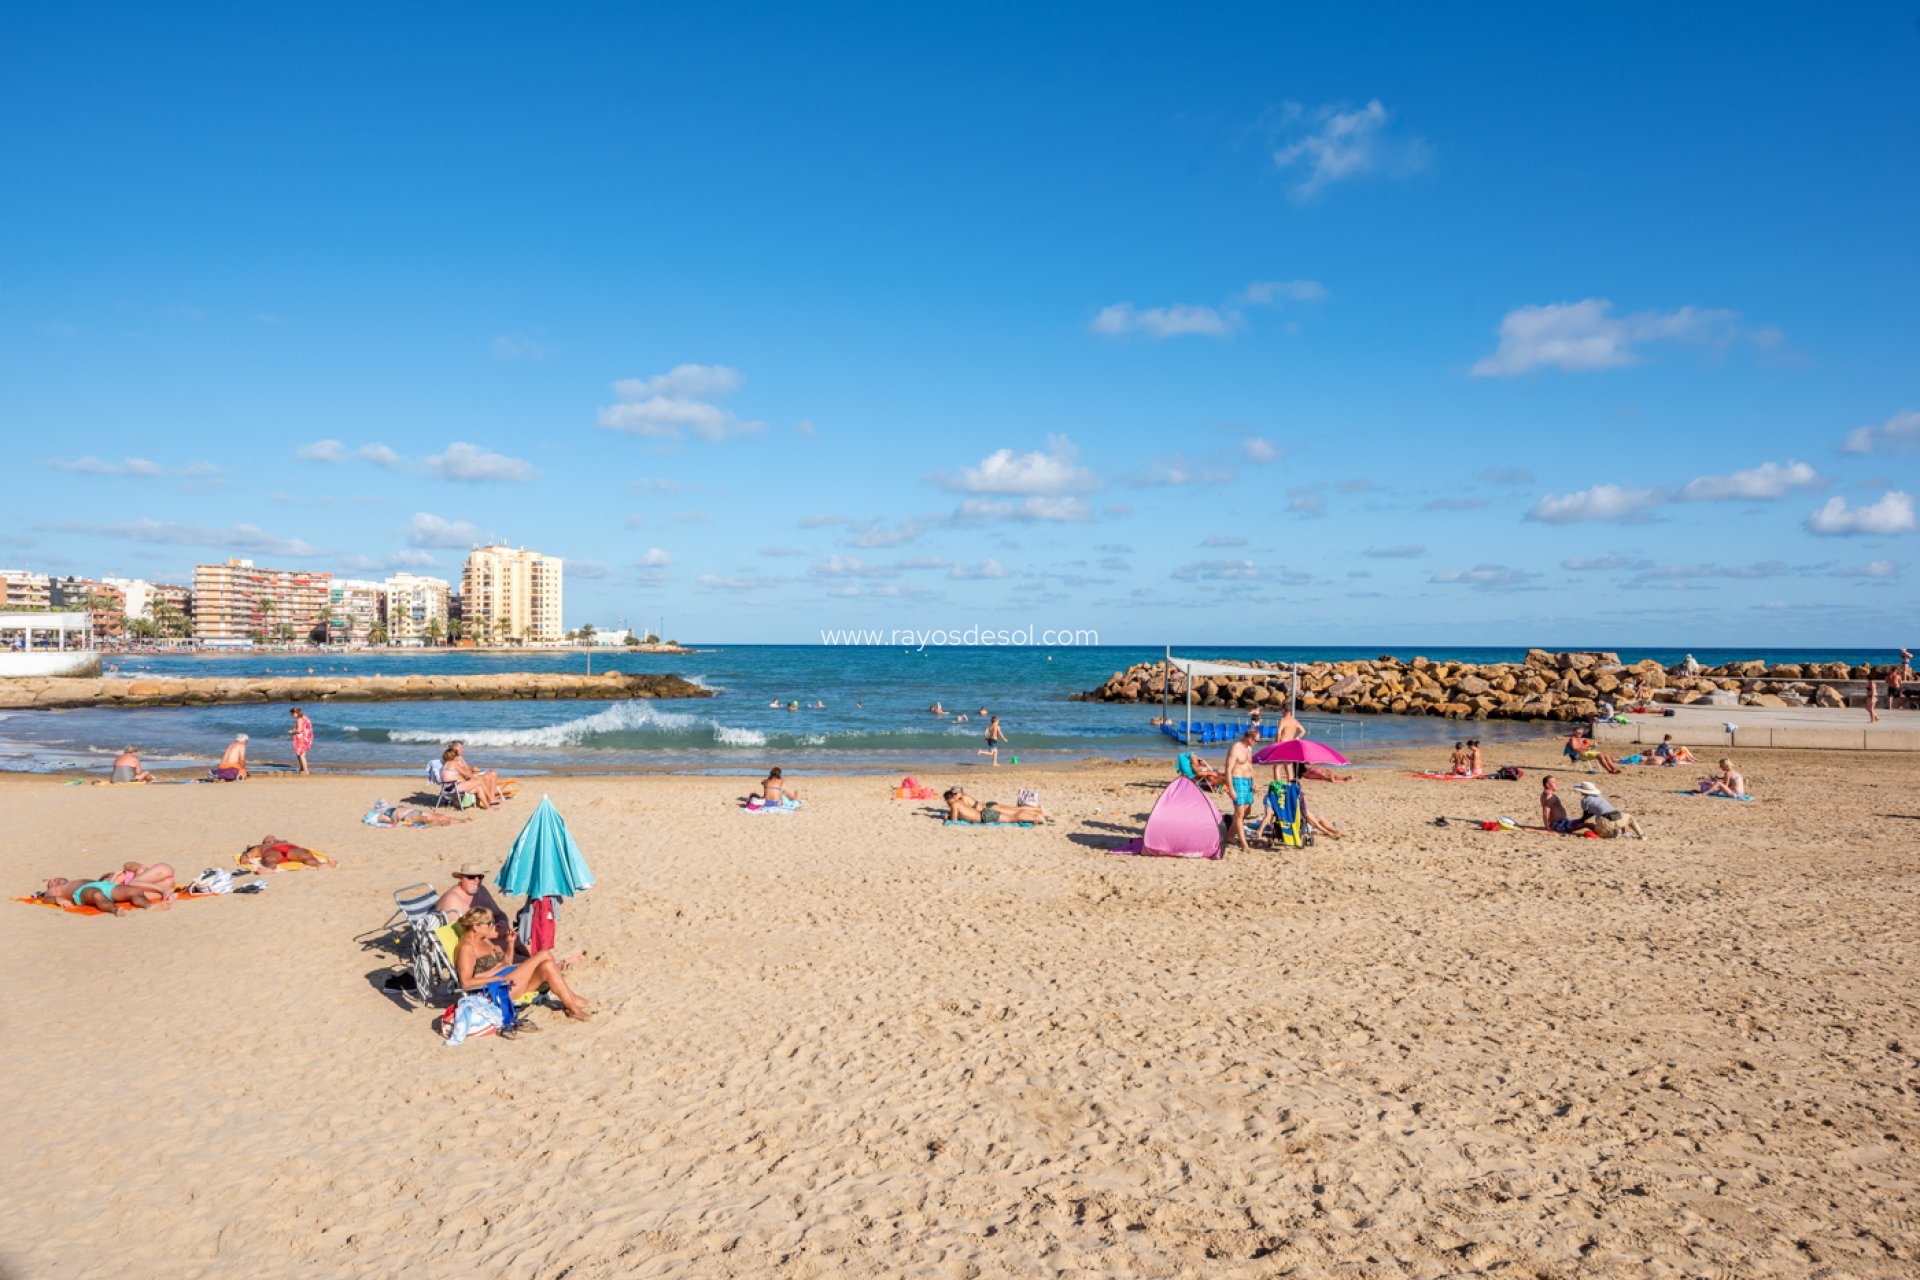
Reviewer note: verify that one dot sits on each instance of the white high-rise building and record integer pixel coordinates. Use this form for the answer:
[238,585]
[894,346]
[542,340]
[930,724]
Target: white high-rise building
[414,604]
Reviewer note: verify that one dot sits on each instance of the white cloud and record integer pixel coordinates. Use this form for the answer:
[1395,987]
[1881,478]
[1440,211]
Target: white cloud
[1218,571]
[1602,502]
[322,451]
[1767,481]
[1064,510]
[1176,472]
[988,568]
[139,468]
[1399,551]
[1486,577]
[426,530]
[587,568]
[475,465]
[655,558]
[881,534]
[1612,560]
[1332,144]
[669,404]
[395,560]
[1893,513]
[245,539]
[837,566]
[1695,572]
[1053,471]
[1307,504]
[379,455]
[1898,434]
[741,582]
[518,346]
[1273,293]
[1874,569]
[1580,337]
[1123,319]
[1258,449]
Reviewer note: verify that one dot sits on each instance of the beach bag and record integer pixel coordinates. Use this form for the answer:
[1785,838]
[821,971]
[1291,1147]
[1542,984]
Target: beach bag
[1027,798]
[1509,773]
[212,880]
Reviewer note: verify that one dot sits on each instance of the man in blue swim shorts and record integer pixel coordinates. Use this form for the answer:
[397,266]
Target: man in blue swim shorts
[1240,778]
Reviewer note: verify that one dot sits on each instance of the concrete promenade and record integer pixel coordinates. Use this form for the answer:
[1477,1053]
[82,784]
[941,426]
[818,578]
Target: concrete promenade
[1796,728]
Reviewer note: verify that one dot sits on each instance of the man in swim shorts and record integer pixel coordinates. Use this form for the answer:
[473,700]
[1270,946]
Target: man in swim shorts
[1553,810]
[962,807]
[105,895]
[1240,778]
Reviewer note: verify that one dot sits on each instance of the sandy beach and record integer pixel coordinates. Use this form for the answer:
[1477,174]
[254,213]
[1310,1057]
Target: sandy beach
[852,1041]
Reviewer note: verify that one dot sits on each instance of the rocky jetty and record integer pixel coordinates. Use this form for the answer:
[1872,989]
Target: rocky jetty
[49,692]
[1546,686]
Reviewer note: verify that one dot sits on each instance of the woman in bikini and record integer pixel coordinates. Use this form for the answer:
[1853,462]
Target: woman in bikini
[105,895]
[484,786]
[272,853]
[1728,782]
[482,957]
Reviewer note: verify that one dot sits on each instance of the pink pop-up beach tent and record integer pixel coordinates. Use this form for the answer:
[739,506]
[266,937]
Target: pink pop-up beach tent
[1183,824]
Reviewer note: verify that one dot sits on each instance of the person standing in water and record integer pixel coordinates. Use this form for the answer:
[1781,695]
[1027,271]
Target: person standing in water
[302,737]
[995,736]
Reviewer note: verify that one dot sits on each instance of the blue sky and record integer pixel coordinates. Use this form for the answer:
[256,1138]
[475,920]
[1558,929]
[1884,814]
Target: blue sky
[1515,326]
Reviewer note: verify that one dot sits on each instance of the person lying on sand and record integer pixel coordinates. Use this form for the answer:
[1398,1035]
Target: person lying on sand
[272,853]
[126,767]
[1319,826]
[962,807]
[482,955]
[1728,782]
[105,895]
[149,875]
[393,815]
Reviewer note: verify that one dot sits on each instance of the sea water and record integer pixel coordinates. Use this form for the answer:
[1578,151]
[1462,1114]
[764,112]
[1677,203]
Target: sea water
[875,714]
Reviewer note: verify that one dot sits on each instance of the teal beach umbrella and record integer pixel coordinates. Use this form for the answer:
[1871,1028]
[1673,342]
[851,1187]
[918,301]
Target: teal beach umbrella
[544,861]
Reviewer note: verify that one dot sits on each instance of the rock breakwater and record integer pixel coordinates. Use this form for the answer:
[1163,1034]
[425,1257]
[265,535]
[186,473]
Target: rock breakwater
[49,693]
[1546,686]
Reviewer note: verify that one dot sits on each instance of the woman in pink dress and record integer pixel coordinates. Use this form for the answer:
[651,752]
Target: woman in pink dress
[302,737]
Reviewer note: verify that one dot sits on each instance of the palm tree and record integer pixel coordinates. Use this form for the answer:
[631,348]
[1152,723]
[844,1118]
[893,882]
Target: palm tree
[433,631]
[587,632]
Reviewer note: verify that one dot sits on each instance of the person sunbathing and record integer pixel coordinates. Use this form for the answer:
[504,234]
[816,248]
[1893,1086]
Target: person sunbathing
[774,790]
[393,815]
[483,787]
[962,807]
[105,895]
[1458,763]
[1728,782]
[1580,747]
[272,853]
[482,955]
[149,875]
[1203,772]
[1320,826]
[126,767]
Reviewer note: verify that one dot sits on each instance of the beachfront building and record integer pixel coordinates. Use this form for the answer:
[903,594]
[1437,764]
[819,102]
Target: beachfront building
[417,612]
[105,602]
[355,607]
[153,610]
[511,594]
[22,590]
[236,602]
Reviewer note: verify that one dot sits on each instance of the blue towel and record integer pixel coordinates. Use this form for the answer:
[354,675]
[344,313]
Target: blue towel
[955,822]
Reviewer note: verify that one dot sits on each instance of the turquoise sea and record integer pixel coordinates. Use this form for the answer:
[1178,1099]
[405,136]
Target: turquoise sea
[875,714]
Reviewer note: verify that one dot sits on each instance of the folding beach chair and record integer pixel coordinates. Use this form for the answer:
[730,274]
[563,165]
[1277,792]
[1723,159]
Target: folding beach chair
[429,961]
[447,790]
[1184,764]
[447,937]
[1282,822]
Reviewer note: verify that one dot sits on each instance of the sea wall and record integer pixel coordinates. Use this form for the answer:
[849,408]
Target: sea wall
[1547,686]
[50,692]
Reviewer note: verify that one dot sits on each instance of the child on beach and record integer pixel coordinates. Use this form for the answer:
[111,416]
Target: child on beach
[994,738]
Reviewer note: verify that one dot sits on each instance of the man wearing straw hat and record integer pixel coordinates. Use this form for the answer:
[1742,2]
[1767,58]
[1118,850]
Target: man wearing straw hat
[469,891]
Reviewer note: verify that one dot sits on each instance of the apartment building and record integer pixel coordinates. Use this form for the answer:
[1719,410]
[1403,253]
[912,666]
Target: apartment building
[237,601]
[107,603]
[22,590]
[355,606]
[414,604]
[511,594]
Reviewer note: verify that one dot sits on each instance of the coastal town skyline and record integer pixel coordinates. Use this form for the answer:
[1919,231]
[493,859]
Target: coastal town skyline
[1093,319]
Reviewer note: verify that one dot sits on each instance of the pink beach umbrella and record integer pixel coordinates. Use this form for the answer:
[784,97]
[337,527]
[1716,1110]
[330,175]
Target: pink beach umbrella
[1299,751]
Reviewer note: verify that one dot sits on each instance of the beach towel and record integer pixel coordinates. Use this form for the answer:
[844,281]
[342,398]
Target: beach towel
[1449,777]
[755,804]
[958,822]
[179,895]
[1715,795]
[474,1015]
